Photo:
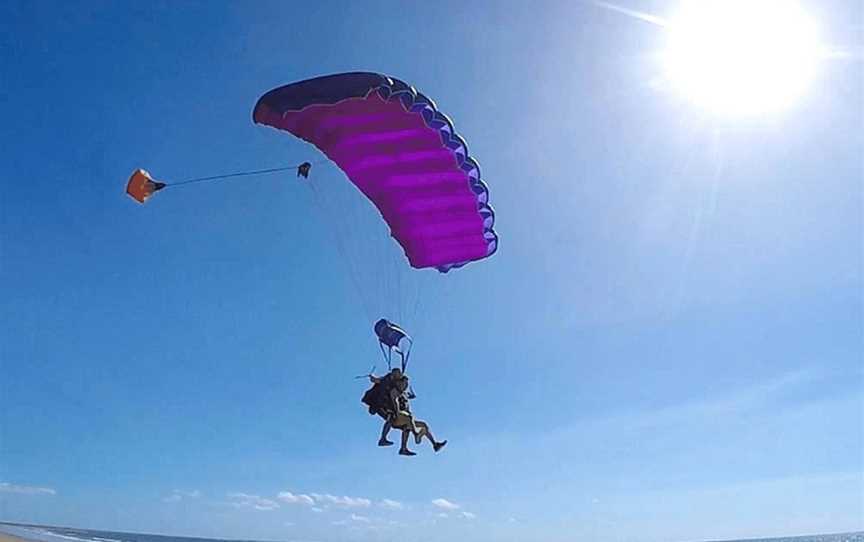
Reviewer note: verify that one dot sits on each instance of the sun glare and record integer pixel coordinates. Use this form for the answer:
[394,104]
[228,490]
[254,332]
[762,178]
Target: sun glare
[741,56]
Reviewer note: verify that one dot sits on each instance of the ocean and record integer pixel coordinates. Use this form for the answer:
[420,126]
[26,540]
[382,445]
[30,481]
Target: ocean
[43,533]
[46,533]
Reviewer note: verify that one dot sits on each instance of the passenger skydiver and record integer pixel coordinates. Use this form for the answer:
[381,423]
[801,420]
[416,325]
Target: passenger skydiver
[405,420]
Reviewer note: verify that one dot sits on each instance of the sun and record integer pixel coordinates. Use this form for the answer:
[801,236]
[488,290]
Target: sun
[741,56]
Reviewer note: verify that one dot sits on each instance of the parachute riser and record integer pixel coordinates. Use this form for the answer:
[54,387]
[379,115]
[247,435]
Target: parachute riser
[403,355]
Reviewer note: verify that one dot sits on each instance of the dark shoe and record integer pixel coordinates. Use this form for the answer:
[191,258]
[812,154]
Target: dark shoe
[438,445]
[406,451]
[384,442]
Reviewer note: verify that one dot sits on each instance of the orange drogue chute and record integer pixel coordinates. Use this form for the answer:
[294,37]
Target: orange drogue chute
[141,186]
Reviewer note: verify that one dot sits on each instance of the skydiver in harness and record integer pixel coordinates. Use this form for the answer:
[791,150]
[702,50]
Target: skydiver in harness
[390,394]
[383,400]
[406,421]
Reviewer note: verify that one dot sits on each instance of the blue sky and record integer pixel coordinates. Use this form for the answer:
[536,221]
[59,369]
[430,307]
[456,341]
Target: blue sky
[667,345]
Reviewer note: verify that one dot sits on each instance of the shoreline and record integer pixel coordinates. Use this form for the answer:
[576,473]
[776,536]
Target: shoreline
[5,537]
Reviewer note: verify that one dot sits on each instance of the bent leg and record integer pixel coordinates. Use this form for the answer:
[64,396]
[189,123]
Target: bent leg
[421,430]
[426,432]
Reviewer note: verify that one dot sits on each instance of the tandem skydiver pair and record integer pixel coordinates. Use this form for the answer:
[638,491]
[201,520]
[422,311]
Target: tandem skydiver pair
[390,394]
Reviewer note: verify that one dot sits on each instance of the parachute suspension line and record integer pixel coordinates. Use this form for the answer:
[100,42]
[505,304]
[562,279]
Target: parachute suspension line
[318,197]
[415,297]
[386,280]
[386,353]
[240,174]
[388,356]
[407,354]
[417,302]
[400,292]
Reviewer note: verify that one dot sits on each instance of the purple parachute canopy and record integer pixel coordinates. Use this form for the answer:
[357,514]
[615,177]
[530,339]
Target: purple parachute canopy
[402,153]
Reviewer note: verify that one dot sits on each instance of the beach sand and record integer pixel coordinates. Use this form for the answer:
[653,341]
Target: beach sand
[9,538]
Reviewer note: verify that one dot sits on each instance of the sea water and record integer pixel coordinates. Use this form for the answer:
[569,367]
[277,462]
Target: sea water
[43,533]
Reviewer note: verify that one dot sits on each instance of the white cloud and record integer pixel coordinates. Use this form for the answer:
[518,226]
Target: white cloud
[178,495]
[391,504]
[344,502]
[443,515]
[242,500]
[468,515]
[291,498]
[318,502]
[6,487]
[361,519]
[444,504]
